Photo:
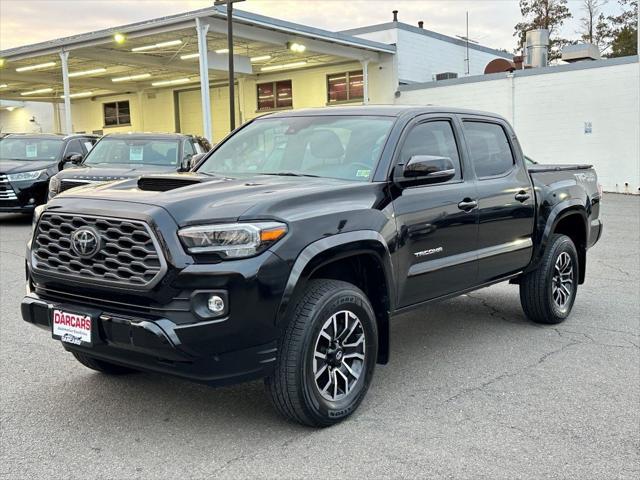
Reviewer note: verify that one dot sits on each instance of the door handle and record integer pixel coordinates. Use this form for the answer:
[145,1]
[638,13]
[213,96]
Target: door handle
[522,196]
[467,204]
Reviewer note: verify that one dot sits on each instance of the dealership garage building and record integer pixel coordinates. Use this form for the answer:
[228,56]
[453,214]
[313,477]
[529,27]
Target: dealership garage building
[149,76]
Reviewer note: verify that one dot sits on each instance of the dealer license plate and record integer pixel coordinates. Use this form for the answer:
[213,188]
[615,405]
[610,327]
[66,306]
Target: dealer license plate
[70,327]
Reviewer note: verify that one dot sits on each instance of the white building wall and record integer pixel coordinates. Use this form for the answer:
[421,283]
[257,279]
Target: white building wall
[549,112]
[421,56]
[19,120]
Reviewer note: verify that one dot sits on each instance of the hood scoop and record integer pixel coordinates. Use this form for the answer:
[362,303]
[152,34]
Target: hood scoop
[164,183]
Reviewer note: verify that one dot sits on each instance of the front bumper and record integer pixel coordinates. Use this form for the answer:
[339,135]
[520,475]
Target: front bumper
[159,345]
[23,197]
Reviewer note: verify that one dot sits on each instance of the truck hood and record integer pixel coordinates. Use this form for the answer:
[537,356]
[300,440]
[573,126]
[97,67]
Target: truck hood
[18,166]
[111,172]
[230,199]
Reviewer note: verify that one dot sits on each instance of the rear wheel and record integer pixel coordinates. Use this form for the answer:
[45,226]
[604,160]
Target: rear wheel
[101,365]
[327,355]
[548,293]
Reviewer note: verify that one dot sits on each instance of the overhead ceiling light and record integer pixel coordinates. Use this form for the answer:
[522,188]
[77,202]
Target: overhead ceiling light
[79,95]
[131,78]
[87,72]
[222,50]
[189,56]
[35,92]
[296,47]
[36,67]
[170,43]
[260,58]
[119,38]
[11,109]
[2,62]
[283,66]
[177,81]
[4,85]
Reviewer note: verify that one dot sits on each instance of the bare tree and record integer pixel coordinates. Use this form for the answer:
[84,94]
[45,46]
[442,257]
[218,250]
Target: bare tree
[589,21]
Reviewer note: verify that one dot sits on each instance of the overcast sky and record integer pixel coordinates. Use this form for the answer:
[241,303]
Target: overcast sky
[491,21]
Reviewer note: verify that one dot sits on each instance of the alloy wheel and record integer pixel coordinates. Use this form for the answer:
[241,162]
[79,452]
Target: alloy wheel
[562,282]
[339,355]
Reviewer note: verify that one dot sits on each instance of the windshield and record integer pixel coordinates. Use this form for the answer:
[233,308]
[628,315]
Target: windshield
[134,152]
[30,148]
[341,147]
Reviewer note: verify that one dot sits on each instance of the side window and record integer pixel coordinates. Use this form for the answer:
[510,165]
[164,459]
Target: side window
[188,149]
[432,138]
[489,148]
[73,148]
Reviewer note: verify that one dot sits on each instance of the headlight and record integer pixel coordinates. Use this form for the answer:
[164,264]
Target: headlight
[19,177]
[54,186]
[234,240]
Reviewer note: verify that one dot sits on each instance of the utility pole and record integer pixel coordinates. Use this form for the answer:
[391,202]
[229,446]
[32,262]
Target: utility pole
[232,90]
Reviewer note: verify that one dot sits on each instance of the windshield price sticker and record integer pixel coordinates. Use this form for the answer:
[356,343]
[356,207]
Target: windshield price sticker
[135,153]
[31,150]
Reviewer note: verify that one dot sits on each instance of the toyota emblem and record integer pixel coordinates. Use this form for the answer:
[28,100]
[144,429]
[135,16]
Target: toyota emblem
[85,242]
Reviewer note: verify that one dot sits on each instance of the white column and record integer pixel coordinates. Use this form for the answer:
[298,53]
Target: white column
[64,58]
[365,81]
[202,28]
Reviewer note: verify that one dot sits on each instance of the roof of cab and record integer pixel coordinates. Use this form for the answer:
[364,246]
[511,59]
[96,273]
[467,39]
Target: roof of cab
[148,136]
[60,136]
[378,110]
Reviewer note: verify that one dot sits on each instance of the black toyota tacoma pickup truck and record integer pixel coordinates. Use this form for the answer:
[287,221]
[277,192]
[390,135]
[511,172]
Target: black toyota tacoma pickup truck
[288,249]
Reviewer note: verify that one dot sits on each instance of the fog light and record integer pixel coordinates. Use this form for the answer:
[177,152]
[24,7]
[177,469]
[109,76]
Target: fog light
[215,304]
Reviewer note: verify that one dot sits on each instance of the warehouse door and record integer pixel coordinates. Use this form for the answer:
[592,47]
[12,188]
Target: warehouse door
[190,112]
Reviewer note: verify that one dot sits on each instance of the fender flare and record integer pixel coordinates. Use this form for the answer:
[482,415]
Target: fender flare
[557,213]
[330,249]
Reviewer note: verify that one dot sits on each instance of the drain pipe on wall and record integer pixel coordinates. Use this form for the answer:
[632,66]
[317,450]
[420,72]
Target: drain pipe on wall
[512,80]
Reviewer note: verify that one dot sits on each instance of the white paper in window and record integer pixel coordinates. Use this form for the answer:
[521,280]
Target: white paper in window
[135,154]
[32,150]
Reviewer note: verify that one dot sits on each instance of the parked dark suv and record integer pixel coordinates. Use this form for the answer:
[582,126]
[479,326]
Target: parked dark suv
[28,161]
[129,155]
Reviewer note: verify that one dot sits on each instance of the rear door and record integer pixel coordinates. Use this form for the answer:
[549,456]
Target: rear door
[437,223]
[505,197]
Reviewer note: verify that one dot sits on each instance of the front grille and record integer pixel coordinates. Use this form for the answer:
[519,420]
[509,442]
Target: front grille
[129,255]
[6,190]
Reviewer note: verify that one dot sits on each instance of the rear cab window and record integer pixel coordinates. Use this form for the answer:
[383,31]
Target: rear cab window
[489,148]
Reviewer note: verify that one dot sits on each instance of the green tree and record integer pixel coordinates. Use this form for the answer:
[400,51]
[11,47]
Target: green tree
[549,14]
[624,29]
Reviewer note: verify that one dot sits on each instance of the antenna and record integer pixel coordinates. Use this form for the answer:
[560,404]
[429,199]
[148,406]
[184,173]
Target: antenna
[466,40]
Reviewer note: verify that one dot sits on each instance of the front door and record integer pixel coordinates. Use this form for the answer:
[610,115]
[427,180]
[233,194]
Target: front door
[437,223]
[505,198]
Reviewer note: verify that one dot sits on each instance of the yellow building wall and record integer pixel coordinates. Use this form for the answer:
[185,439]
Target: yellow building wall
[154,110]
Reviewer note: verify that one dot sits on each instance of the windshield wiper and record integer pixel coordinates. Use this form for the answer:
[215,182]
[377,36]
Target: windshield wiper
[291,174]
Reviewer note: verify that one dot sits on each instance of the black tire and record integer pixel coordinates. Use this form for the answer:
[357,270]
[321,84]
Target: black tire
[537,287]
[293,385]
[102,366]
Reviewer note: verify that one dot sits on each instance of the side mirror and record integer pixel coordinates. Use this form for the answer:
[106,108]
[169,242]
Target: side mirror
[189,162]
[74,158]
[429,169]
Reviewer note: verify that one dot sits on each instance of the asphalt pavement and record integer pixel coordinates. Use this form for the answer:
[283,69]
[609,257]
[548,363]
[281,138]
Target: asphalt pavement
[473,390]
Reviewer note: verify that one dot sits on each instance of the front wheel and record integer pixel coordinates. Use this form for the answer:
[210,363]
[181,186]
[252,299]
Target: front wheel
[548,293]
[327,355]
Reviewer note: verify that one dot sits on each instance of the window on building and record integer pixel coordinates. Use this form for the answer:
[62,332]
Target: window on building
[489,148]
[345,87]
[117,113]
[275,95]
